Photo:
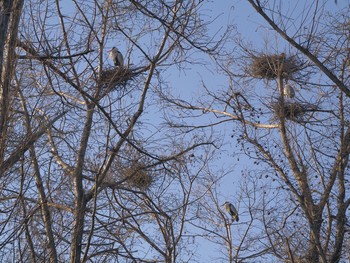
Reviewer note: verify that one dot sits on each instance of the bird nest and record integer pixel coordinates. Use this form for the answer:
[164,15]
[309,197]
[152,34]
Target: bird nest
[293,111]
[273,66]
[116,76]
[136,176]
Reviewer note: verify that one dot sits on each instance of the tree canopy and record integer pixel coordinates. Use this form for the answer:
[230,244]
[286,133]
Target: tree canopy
[111,163]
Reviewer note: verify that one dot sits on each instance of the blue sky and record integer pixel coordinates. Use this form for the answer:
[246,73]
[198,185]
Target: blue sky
[253,29]
[188,84]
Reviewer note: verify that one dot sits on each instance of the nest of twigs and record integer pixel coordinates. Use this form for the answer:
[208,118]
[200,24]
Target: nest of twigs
[294,111]
[136,176]
[272,66]
[113,77]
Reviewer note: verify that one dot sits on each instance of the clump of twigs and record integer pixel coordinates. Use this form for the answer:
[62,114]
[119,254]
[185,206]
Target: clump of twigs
[116,76]
[294,111]
[137,176]
[272,66]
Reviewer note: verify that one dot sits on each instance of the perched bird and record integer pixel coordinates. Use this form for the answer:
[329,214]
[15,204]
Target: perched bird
[117,57]
[289,91]
[232,211]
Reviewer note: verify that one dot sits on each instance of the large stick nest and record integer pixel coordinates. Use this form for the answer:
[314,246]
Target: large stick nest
[293,111]
[136,176]
[114,77]
[272,66]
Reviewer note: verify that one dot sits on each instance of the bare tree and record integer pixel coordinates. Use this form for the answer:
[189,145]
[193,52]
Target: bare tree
[10,13]
[299,144]
[88,171]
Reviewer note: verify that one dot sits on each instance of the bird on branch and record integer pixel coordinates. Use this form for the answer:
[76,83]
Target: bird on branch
[117,57]
[289,91]
[231,209]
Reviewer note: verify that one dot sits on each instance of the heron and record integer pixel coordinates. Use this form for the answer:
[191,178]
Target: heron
[231,209]
[117,57]
[289,91]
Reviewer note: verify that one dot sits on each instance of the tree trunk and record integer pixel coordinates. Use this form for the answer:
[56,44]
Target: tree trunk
[313,253]
[78,229]
[10,13]
[80,200]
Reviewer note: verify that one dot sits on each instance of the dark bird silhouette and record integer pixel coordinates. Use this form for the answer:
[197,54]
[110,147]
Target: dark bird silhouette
[289,91]
[231,209]
[117,57]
